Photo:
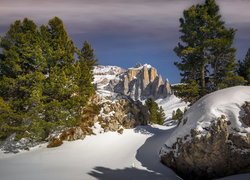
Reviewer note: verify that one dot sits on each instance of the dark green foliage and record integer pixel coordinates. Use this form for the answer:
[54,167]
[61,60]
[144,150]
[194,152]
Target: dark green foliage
[177,115]
[84,69]
[161,116]
[205,49]
[188,92]
[244,67]
[231,81]
[157,114]
[41,81]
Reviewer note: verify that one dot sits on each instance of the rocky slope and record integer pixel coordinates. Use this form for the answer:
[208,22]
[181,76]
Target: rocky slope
[213,139]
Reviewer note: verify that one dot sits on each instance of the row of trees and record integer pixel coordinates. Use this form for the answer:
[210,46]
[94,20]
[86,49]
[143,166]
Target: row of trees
[208,60]
[45,81]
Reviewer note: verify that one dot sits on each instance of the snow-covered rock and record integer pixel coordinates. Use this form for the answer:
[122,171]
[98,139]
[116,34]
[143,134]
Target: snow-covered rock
[212,140]
[104,74]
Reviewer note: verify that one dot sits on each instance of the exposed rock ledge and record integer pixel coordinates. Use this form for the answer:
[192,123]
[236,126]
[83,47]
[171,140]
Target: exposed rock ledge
[111,116]
[212,147]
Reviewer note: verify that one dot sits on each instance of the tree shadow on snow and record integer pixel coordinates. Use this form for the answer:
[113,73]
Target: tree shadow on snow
[147,155]
[103,173]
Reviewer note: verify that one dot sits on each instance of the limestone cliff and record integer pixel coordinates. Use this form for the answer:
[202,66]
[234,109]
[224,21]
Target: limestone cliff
[142,82]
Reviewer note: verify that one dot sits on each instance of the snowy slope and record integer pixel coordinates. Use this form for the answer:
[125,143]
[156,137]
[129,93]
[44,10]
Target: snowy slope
[108,156]
[225,102]
[103,74]
[170,104]
[132,155]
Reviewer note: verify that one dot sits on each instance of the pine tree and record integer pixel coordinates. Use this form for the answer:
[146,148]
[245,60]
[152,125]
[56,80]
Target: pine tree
[43,87]
[157,114]
[177,115]
[21,69]
[60,88]
[206,47]
[244,67]
[188,92]
[161,116]
[84,67]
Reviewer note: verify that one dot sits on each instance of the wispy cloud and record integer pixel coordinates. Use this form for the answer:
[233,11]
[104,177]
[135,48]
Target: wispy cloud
[128,24]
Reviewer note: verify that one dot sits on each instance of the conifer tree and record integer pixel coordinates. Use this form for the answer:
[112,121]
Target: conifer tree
[21,67]
[42,84]
[60,87]
[244,67]
[161,116]
[206,47]
[157,114]
[85,66]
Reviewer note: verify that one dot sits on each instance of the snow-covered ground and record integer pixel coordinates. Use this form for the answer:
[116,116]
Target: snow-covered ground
[170,104]
[107,156]
[132,155]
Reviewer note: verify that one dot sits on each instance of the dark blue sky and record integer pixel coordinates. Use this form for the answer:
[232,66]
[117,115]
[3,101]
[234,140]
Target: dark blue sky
[125,32]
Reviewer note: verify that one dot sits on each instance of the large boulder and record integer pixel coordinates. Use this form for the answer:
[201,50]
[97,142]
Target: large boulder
[213,139]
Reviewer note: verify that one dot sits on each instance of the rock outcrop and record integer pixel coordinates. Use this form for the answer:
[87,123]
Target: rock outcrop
[141,82]
[124,113]
[207,145]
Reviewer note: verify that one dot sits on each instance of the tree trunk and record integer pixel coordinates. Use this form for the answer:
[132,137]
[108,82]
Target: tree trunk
[203,88]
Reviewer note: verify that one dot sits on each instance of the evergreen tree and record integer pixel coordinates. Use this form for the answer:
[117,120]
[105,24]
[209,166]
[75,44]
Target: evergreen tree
[177,115]
[60,88]
[42,84]
[188,92]
[21,75]
[59,48]
[244,67]
[161,116]
[206,47]
[85,66]
[157,114]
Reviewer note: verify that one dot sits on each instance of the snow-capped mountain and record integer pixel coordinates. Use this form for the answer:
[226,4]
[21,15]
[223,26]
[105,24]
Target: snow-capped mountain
[142,82]
[139,83]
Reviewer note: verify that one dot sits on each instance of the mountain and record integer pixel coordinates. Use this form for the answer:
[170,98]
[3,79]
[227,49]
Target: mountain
[213,138]
[138,83]
[142,82]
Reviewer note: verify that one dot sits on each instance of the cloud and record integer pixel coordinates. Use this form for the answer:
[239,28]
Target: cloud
[130,21]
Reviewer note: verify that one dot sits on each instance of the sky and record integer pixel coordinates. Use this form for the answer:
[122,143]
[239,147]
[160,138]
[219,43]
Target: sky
[127,32]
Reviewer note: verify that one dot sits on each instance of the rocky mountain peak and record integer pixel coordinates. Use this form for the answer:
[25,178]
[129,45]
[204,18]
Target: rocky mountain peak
[142,82]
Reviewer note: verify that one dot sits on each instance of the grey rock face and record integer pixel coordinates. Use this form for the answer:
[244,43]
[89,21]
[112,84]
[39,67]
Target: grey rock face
[124,113]
[246,117]
[220,153]
[142,82]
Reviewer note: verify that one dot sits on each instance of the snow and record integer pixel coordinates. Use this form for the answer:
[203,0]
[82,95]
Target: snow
[97,129]
[107,156]
[132,155]
[225,102]
[107,69]
[170,104]
[141,67]
[103,74]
